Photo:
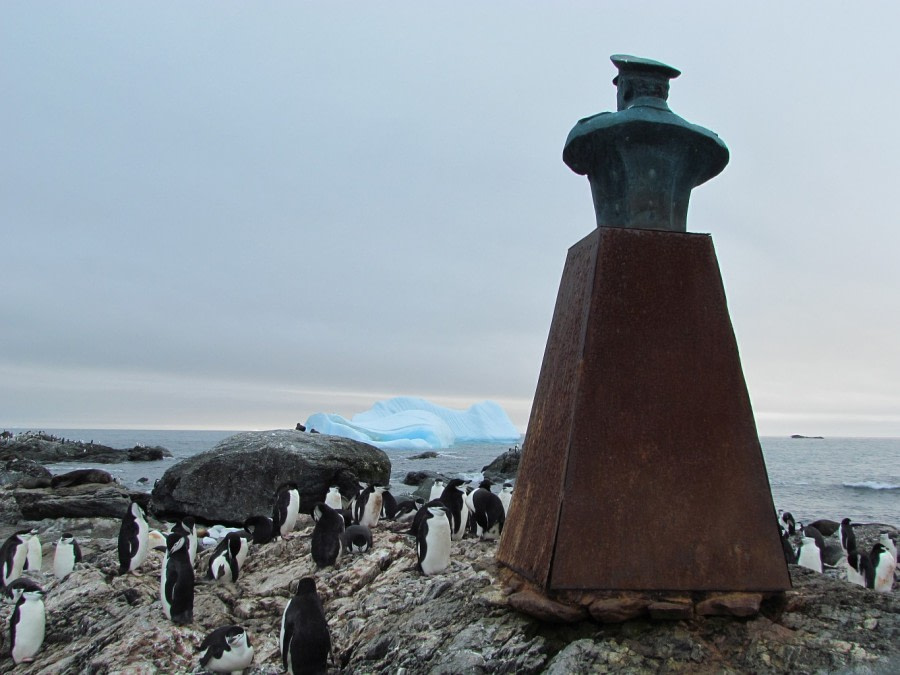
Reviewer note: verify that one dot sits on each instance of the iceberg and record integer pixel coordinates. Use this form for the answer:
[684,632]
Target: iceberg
[408,423]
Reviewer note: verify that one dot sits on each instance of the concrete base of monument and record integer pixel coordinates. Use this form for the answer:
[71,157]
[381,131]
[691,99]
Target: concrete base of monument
[620,606]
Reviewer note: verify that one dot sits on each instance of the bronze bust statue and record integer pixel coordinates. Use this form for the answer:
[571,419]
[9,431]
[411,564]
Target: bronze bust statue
[643,160]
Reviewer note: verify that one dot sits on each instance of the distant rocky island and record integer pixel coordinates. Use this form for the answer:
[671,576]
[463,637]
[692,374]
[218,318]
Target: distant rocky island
[45,448]
[819,438]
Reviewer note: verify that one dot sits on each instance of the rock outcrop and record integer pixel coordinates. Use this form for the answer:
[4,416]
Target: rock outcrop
[384,616]
[15,470]
[87,500]
[48,449]
[239,476]
[503,467]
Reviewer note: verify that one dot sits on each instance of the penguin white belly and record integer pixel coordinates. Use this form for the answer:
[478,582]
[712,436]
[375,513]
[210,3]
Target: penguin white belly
[221,570]
[372,511]
[333,499]
[293,510]
[35,556]
[63,561]
[29,630]
[143,537]
[192,545]
[884,573]
[166,607]
[810,556]
[436,491]
[232,660]
[853,576]
[505,498]
[437,554]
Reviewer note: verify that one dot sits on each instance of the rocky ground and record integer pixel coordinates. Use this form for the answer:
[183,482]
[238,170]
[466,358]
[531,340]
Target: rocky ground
[385,617]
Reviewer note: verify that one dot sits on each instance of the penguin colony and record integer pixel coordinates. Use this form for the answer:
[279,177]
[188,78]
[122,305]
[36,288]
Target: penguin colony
[304,638]
[873,569]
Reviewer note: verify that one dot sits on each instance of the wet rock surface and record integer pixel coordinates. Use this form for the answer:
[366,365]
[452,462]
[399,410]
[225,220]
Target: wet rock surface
[383,616]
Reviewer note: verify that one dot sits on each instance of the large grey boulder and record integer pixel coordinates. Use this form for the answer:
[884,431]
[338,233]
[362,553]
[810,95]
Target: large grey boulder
[239,476]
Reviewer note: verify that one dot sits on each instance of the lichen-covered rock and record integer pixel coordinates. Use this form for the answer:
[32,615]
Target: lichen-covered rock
[239,476]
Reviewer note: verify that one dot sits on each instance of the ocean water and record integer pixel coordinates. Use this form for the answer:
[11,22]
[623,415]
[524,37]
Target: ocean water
[857,478]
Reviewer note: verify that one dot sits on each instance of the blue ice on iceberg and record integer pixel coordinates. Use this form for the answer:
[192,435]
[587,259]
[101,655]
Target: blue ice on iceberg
[408,423]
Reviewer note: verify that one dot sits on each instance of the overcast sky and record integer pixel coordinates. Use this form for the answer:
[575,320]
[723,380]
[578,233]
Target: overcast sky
[234,215]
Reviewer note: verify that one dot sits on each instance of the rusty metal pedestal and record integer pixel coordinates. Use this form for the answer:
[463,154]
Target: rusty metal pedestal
[642,469]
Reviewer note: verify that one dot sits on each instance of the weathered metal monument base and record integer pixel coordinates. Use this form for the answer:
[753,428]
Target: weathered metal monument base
[641,470]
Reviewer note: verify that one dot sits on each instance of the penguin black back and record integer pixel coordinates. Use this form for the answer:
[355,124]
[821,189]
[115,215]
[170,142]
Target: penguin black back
[260,528]
[177,582]
[388,505]
[305,640]
[326,542]
[453,499]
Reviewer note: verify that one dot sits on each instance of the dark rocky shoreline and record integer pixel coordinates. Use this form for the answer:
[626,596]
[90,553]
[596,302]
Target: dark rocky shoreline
[48,449]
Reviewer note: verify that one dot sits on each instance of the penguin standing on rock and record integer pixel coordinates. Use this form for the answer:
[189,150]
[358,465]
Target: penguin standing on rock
[67,554]
[883,567]
[35,558]
[488,512]
[134,539]
[304,640]
[369,505]
[848,537]
[453,497]
[388,505]
[433,541]
[26,626]
[286,509]
[226,650]
[810,555]
[326,543]
[857,568]
[13,555]
[787,521]
[506,497]
[176,582]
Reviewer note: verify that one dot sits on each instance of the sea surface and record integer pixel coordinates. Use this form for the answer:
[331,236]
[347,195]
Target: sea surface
[835,478]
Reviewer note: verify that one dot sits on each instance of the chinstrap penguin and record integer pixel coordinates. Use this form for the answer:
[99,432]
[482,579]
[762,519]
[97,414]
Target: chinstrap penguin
[333,498]
[13,555]
[187,526]
[437,489]
[369,504]
[506,497]
[134,539]
[304,639]
[810,555]
[433,541]
[261,529]
[326,544]
[883,567]
[67,554]
[453,497]
[35,558]
[357,539]
[488,512]
[224,565]
[226,650]
[286,509]
[26,626]
[176,582]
